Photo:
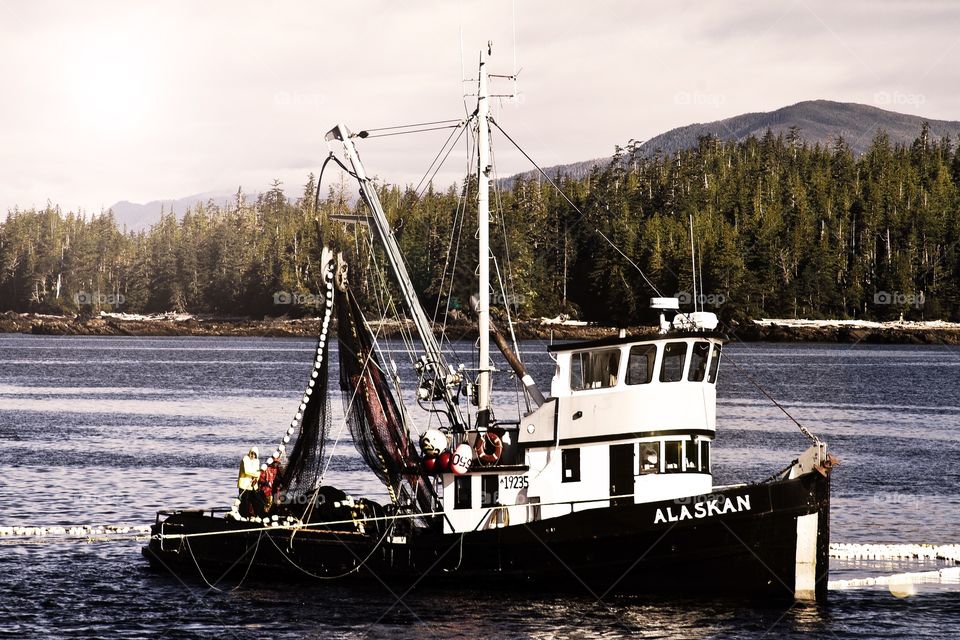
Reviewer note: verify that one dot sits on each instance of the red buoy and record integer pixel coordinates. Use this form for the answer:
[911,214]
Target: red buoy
[443,462]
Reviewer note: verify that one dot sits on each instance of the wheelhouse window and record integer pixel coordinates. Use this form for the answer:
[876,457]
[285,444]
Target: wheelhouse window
[698,361]
[691,456]
[649,457]
[672,454]
[570,463]
[714,364]
[640,363]
[594,369]
[462,494]
[674,356]
[705,456]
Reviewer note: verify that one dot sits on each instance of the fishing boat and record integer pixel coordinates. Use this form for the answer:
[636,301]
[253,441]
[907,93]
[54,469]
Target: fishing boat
[603,484]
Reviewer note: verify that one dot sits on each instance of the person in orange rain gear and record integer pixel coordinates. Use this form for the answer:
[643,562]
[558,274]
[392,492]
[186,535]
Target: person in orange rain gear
[247,480]
[266,480]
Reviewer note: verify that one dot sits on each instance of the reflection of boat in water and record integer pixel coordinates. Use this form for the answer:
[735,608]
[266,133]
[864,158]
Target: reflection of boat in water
[606,484]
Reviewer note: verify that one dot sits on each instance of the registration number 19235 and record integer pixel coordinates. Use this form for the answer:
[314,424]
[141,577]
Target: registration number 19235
[515,482]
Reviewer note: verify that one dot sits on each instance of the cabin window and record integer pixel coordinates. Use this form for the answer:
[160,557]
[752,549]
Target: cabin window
[640,363]
[570,463]
[649,457]
[672,453]
[705,456]
[674,355]
[462,494]
[594,369]
[698,361]
[714,364]
[691,456]
[489,490]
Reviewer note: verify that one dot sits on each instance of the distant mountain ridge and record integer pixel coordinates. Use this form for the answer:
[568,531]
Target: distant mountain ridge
[140,217]
[819,121]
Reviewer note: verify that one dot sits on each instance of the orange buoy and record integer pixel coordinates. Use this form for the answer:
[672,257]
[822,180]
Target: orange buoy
[488,448]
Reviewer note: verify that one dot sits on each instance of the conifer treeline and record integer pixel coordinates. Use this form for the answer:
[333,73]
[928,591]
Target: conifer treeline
[783,229]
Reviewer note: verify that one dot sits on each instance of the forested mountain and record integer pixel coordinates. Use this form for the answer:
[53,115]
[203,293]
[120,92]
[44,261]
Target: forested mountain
[783,228]
[817,121]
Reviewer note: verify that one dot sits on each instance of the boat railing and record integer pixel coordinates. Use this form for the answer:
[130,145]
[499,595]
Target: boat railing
[199,511]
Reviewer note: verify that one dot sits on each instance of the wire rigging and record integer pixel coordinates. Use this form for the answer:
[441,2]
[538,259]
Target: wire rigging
[403,133]
[576,208]
[416,124]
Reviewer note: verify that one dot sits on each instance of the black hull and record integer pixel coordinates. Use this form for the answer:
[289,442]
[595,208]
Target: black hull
[660,548]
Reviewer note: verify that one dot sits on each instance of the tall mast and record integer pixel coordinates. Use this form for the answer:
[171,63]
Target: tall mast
[693,265]
[483,234]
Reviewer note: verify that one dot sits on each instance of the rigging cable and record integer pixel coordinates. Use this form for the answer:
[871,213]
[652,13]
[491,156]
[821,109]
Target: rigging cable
[802,428]
[403,133]
[462,127]
[576,208]
[563,195]
[411,126]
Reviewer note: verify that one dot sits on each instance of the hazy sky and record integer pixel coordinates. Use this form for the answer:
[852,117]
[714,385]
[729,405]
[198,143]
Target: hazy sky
[108,101]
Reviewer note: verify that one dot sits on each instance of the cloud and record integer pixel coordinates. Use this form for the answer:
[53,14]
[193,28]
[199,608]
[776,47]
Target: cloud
[114,100]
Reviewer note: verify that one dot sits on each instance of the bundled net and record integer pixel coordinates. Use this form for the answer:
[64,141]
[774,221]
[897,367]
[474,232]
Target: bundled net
[301,476]
[372,413]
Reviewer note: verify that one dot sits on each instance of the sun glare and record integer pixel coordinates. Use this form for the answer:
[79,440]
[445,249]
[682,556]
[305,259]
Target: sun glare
[107,88]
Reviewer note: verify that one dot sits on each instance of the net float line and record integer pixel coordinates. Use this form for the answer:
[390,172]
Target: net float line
[73,531]
[848,551]
[948,575]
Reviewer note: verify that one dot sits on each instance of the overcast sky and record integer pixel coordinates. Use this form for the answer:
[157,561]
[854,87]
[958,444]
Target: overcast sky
[108,101]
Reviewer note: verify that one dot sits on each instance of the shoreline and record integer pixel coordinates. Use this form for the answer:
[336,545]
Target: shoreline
[764,330]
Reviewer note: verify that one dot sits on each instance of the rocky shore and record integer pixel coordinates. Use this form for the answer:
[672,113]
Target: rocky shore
[838,331]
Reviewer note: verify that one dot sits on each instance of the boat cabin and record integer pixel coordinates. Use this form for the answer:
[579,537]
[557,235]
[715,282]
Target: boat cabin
[629,420]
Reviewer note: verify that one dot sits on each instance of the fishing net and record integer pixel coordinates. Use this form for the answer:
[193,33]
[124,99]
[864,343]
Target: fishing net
[301,476]
[373,415]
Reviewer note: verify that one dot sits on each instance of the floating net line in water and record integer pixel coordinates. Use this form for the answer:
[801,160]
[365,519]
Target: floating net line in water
[73,533]
[848,551]
[947,575]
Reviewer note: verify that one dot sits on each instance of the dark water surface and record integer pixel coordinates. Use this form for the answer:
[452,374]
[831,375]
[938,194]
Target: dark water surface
[108,430]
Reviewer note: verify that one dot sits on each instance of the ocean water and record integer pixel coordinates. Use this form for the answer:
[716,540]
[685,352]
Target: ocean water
[108,430]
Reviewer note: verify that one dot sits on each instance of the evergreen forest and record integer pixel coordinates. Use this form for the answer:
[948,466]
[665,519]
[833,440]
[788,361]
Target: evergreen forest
[781,228]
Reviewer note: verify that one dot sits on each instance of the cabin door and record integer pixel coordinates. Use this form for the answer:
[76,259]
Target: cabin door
[621,473]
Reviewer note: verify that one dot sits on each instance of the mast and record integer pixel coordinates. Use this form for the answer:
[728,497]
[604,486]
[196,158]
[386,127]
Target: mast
[483,234]
[693,264]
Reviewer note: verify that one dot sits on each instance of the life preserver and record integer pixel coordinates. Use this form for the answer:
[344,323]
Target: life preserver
[483,452]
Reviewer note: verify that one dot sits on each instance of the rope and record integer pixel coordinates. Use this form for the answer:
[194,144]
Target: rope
[576,208]
[403,133]
[802,428]
[411,126]
[342,575]
[245,573]
[424,181]
[300,526]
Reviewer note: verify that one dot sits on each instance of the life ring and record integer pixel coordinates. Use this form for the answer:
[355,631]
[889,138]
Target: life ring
[484,454]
